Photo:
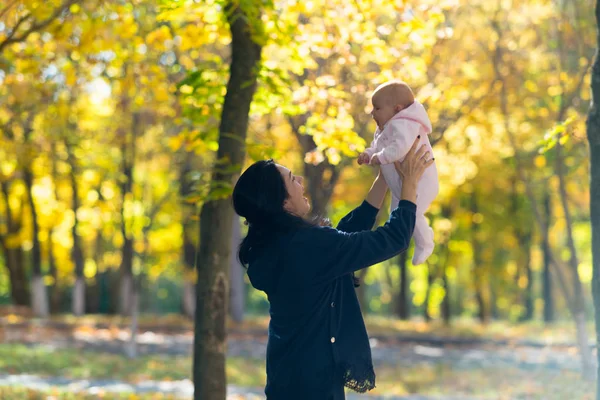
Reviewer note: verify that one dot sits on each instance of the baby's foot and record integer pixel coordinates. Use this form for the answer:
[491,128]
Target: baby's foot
[422,254]
[423,250]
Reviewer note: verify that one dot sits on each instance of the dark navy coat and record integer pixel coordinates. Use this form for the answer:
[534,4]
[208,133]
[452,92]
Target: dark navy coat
[317,336]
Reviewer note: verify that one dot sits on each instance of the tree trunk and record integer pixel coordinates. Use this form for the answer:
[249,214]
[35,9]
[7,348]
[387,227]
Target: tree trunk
[213,263]
[189,298]
[237,298]
[13,253]
[523,234]
[593,134]
[321,182]
[132,350]
[430,278]
[321,178]
[103,299]
[578,296]
[403,301]
[127,253]
[132,347]
[446,310]
[55,292]
[494,312]
[39,294]
[529,295]
[78,300]
[477,262]
[547,277]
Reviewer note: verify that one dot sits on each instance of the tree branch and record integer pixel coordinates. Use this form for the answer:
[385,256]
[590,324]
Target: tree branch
[7,8]
[35,27]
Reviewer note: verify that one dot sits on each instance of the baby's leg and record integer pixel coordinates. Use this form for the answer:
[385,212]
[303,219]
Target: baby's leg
[394,183]
[394,203]
[423,236]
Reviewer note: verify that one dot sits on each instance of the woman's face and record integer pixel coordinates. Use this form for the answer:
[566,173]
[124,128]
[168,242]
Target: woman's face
[296,203]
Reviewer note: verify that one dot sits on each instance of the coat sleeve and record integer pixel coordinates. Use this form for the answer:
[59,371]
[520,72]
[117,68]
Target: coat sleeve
[362,218]
[333,253]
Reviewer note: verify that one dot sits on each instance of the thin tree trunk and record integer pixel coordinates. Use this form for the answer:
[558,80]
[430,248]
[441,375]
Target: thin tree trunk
[39,295]
[132,350]
[477,262]
[404,302]
[55,293]
[102,299]
[523,234]
[547,277]
[78,300]
[430,278]
[237,298]
[494,313]
[126,268]
[529,295]
[322,177]
[13,253]
[132,347]
[593,134]
[578,296]
[446,309]
[215,220]
[579,310]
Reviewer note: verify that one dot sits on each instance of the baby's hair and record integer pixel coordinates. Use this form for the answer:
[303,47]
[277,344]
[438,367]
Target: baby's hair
[396,92]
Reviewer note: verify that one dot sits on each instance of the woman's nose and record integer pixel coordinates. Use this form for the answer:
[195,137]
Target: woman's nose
[301,179]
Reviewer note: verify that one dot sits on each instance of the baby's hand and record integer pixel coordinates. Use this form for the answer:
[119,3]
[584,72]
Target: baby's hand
[325,222]
[375,160]
[363,158]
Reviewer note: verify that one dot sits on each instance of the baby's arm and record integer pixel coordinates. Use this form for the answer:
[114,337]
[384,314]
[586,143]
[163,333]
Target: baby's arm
[365,156]
[402,136]
[371,149]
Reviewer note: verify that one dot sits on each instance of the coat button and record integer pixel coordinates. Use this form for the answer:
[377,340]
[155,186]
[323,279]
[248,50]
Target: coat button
[332,339]
[332,304]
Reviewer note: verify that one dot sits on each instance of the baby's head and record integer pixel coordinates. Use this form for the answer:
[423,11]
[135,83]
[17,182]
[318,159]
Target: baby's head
[389,99]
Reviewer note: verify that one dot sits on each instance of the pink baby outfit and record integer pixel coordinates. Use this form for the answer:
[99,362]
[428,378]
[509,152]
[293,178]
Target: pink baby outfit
[392,144]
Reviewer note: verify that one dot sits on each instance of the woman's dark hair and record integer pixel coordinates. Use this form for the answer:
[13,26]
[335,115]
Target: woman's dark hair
[258,196]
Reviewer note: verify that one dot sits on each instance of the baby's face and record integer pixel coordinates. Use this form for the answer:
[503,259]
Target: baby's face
[383,110]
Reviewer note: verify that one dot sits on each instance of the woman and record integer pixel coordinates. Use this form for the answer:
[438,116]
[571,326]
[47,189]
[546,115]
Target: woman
[317,338]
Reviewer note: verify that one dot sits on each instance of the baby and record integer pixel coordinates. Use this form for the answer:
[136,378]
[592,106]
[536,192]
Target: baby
[400,119]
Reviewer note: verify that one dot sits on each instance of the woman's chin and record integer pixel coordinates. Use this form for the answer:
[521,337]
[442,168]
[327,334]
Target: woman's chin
[307,205]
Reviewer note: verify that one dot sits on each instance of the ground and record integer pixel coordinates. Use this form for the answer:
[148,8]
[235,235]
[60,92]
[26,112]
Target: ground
[84,359]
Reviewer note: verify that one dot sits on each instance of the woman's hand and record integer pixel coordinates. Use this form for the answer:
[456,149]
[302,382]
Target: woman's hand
[412,168]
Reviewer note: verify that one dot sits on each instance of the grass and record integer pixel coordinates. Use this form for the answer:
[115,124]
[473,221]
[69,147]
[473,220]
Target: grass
[425,379]
[75,364]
